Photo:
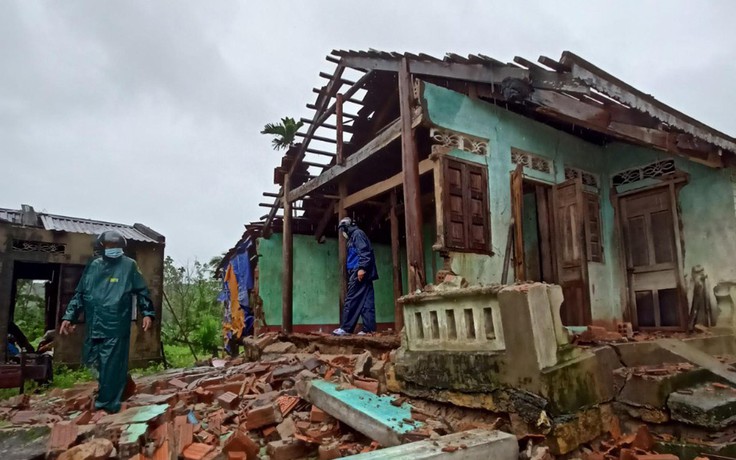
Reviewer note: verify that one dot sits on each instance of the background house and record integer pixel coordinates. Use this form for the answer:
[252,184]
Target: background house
[41,246]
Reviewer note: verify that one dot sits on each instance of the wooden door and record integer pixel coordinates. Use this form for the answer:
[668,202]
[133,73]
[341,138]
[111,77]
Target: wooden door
[572,261]
[649,220]
[517,216]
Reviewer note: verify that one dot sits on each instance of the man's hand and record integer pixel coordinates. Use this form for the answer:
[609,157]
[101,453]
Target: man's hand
[66,328]
[361,274]
[147,323]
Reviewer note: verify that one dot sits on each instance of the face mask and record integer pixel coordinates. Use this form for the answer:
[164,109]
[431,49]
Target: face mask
[345,235]
[113,253]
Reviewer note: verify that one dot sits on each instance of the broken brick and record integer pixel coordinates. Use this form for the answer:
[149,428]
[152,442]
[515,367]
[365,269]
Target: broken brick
[204,396]
[197,451]
[363,364]
[317,415]
[239,442]
[63,435]
[329,451]
[287,428]
[643,439]
[279,348]
[84,418]
[236,456]
[183,435]
[285,372]
[178,384]
[258,417]
[95,449]
[287,403]
[288,449]
[366,384]
[599,334]
[229,401]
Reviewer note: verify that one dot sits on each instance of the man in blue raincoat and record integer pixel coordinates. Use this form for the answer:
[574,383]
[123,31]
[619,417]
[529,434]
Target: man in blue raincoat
[362,271]
[105,295]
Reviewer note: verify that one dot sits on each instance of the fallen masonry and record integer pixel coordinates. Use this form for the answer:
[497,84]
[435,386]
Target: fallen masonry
[236,410]
[529,390]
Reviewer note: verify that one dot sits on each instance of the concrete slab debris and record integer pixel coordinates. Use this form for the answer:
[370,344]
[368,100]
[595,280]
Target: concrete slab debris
[468,445]
[705,406]
[372,415]
[699,358]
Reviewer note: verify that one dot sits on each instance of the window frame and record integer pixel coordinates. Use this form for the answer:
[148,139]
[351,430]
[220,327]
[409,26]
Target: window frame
[466,168]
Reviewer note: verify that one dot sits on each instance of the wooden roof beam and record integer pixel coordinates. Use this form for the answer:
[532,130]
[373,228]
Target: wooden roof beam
[602,120]
[632,97]
[388,135]
[322,100]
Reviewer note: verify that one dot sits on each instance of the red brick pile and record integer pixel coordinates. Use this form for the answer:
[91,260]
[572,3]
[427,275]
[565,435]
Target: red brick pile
[236,411]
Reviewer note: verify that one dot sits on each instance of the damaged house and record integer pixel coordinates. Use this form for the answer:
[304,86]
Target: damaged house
[42,246]
[471,170]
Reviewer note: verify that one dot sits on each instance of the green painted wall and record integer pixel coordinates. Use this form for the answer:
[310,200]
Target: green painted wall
[316,281]
[707,202]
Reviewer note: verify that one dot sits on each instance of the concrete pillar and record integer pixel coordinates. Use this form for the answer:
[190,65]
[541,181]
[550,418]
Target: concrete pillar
[529,328]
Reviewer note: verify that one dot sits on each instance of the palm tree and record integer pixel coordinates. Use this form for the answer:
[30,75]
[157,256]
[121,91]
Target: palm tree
[284,132]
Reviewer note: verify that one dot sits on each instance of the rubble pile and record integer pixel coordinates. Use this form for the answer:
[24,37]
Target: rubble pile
[230,409]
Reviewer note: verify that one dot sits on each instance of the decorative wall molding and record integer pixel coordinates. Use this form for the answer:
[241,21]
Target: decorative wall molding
[452,140]
[590,179]
[38,246]
[650,171]
[531,161]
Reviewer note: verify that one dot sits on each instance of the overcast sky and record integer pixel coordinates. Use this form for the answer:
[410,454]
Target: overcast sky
[150,111]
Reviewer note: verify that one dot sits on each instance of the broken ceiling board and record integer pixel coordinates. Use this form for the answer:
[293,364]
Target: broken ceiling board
[372,415]
[699,358]
[468,445]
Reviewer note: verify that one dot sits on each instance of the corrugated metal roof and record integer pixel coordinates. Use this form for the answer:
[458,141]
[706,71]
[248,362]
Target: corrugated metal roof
[91,227]
[58,223]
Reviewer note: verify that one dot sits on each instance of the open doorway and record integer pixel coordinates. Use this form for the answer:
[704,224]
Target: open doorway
[549,237]
[536,232]
[33,303]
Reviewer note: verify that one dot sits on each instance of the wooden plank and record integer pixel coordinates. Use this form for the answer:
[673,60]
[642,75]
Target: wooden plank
[384,186]
[591,116]
[287,285]
[412,192]
[544,217]
[457,71]
[681,290]
[342,250]
[552,64]
[340,151]
[319,118]
[388,135]
[396,262]
[329,212]
[439,204]
[517,216]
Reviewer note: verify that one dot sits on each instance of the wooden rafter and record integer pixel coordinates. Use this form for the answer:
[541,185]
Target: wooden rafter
[390,134]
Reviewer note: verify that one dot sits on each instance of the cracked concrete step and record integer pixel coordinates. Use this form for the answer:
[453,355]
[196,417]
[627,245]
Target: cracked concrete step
[468,445]
[709,406]
[699,358]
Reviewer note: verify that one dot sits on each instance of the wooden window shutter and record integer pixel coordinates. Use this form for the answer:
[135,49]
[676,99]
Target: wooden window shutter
[593,227]
[466,206]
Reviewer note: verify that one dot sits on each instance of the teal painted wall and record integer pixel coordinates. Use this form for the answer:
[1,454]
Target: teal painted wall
[707,202]
[316,281]
[706,210]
